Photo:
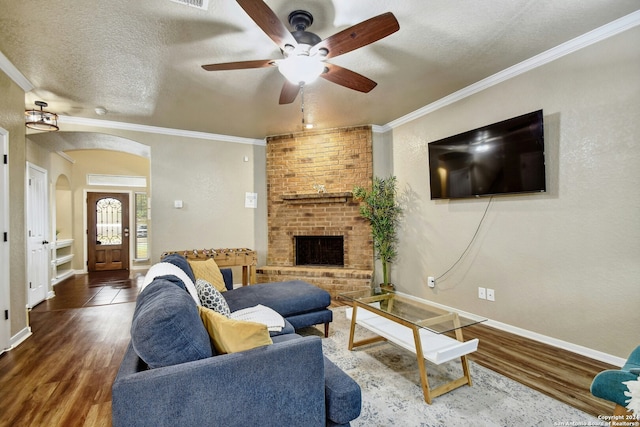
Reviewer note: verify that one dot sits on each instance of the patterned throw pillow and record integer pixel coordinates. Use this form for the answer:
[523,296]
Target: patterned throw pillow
[211,298]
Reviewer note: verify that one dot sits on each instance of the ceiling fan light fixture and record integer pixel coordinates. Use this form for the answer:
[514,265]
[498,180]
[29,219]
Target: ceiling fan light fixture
[41,119]
[305,53]
[301,69]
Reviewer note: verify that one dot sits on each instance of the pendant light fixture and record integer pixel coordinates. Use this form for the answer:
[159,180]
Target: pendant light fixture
[41,119]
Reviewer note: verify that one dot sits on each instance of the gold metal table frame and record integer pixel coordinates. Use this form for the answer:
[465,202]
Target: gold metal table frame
[436,321]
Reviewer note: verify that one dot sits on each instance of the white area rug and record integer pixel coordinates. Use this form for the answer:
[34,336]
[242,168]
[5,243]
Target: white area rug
[392,395]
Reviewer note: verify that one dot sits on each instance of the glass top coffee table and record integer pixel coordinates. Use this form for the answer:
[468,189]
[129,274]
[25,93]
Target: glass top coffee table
[427,330]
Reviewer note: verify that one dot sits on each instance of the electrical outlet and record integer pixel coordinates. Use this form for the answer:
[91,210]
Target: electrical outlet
[482,293]
[491,294]
[431,281]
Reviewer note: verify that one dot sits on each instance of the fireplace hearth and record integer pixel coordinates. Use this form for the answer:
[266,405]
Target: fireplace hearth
[319,250]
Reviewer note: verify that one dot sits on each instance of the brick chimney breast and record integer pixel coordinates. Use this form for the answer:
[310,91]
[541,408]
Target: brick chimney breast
[310,177]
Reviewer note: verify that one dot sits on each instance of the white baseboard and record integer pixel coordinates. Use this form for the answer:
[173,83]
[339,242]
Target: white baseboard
[50,294]
[574,348]
[19,338]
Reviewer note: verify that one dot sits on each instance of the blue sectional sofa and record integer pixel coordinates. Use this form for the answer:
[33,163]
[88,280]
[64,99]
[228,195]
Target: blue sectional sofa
[300,303]
[172,376]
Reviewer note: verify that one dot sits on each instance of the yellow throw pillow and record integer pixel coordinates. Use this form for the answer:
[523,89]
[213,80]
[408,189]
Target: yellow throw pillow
[232,336]
[209,271]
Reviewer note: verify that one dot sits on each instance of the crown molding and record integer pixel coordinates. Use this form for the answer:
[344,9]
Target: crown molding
[380,129]
[108,124]
[599,34]
[65,156]
[14,74]
[604,32]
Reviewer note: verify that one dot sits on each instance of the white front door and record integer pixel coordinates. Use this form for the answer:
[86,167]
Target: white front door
[37,235]
[5,330]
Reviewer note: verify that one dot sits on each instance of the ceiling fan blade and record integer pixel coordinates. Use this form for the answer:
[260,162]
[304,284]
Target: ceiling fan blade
[289,92]
[347,78]
[359,35]
[268,21]
[241,65]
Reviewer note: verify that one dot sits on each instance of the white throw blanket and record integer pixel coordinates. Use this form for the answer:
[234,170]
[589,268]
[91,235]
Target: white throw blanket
[166,268]
[260,314]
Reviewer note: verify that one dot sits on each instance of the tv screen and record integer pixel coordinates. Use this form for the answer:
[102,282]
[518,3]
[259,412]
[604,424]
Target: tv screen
[502,158]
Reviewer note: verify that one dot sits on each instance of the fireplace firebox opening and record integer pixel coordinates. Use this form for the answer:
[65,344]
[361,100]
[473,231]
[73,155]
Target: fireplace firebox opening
[320,250]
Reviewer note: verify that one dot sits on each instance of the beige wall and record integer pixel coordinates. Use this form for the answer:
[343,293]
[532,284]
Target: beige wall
[211,178]
[383,168]
[564,264]
[98,162]
[12,120]
[63,209]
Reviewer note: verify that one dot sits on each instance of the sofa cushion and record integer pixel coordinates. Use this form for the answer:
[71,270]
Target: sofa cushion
[227,275]
[232,336]
[209,271]
[287,298]
[166,328]
[211,298]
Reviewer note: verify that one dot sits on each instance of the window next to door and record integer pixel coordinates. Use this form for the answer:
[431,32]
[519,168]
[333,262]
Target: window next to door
[142,216]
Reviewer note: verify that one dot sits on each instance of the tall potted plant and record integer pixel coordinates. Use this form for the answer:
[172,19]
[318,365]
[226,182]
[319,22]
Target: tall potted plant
[380,208]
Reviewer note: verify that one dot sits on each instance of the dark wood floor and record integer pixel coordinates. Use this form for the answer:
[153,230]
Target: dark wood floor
[62,375]
[561,374]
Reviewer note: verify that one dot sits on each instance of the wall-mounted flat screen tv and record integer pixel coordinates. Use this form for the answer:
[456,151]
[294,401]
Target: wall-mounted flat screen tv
[503,158]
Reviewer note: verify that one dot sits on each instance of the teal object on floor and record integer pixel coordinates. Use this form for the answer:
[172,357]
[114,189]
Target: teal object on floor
[609,384]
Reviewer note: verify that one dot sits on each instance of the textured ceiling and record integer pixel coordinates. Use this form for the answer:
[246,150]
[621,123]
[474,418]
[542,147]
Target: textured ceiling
[141,59]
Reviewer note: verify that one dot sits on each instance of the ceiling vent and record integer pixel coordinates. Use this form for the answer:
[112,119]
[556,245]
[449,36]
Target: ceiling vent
[200,4]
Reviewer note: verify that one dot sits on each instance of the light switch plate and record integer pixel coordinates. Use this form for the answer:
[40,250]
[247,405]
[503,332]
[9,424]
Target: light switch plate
[251,200]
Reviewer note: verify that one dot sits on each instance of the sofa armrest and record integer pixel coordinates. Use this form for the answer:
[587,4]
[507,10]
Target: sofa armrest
[275,385]
[227,276]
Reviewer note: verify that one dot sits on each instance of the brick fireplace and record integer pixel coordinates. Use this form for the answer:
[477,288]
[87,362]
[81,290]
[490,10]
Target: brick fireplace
[310,176]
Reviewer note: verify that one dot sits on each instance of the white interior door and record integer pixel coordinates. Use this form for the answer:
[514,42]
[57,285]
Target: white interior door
[37,235]
[5,330]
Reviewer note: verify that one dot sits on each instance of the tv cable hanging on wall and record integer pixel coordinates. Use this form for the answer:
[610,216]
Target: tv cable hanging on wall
[466,250]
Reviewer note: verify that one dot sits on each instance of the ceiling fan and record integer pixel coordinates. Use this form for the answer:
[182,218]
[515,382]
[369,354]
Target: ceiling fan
[305,54]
